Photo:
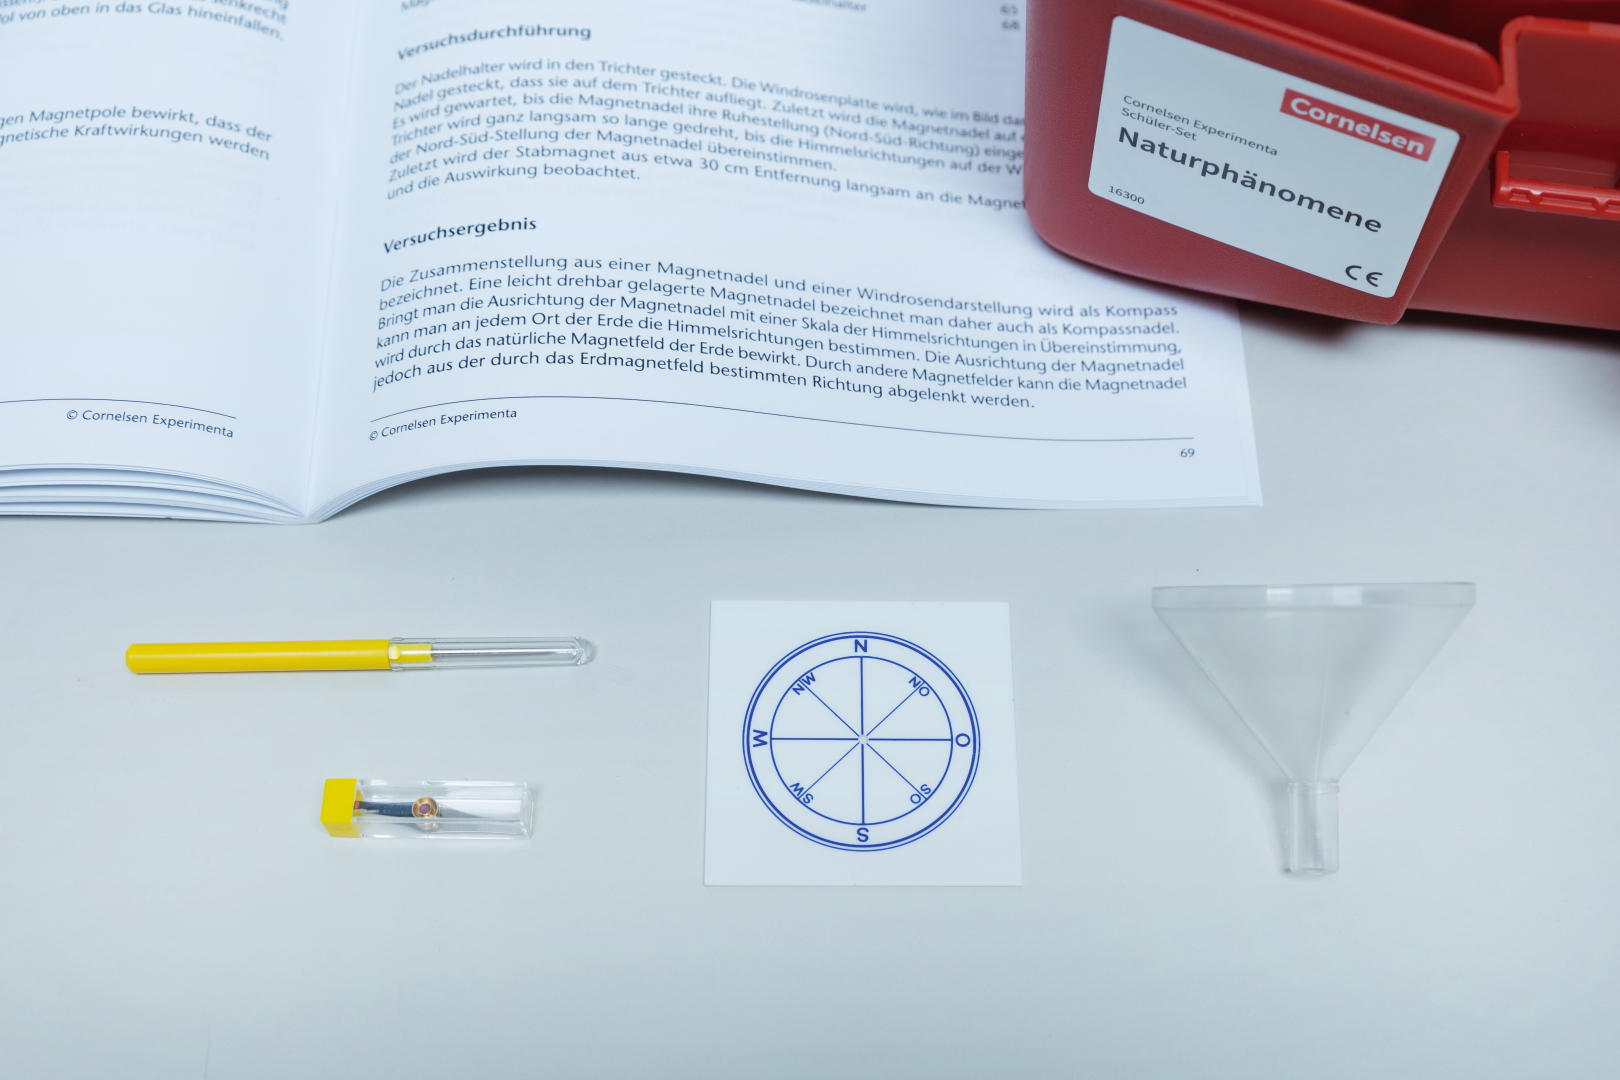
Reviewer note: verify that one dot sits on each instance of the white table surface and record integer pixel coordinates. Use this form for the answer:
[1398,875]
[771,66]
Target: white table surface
[172,908]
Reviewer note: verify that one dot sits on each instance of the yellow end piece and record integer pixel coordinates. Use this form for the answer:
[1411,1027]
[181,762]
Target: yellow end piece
[258,656]
[411,652]
[337,807]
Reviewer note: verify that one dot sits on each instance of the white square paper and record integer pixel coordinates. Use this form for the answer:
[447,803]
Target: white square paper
[861,744]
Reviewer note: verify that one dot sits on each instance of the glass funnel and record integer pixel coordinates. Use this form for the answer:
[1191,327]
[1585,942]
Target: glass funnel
[1313,670]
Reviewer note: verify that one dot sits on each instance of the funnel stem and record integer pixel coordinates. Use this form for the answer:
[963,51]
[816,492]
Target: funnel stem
[1313,837]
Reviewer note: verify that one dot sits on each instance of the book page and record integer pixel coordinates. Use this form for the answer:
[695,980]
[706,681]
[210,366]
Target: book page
[781,240]
[168,173]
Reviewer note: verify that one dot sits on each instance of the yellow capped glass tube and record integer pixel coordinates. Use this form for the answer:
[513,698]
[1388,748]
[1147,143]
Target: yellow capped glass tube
[379,654]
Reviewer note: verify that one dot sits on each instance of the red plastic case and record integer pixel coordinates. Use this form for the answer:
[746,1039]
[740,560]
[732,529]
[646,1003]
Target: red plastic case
[1526,219]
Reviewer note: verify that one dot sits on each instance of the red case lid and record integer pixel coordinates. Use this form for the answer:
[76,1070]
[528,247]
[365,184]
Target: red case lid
[1370,55]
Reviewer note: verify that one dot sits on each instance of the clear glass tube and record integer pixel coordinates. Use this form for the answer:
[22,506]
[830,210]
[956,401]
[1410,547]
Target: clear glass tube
[415,653]
[428,809]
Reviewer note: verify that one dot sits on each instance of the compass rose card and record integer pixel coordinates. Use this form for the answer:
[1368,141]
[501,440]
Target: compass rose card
[861,744]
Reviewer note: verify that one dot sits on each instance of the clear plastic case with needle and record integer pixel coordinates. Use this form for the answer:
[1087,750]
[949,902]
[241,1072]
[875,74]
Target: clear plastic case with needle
[428,809]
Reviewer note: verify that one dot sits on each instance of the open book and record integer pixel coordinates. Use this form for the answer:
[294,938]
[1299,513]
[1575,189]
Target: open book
[262,258]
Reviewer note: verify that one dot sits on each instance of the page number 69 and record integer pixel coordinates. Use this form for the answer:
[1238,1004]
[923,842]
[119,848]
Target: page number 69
[1188,451]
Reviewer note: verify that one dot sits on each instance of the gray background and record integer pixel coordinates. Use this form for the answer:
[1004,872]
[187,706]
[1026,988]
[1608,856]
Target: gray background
[173,909]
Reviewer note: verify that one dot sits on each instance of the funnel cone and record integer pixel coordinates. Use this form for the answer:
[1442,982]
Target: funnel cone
[1313,670]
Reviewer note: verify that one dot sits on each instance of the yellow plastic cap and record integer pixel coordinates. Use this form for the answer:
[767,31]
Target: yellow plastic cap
[201,656]
[337,807]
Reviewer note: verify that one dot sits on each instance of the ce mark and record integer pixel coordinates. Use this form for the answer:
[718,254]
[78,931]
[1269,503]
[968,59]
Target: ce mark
[1370,277]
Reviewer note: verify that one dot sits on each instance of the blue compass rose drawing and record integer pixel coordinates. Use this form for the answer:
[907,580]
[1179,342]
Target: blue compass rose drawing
[861,741]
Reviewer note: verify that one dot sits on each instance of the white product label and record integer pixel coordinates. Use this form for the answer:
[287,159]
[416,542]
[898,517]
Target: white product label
[1268,162]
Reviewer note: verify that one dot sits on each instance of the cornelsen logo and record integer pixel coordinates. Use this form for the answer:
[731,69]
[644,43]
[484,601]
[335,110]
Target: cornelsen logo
[1357,125]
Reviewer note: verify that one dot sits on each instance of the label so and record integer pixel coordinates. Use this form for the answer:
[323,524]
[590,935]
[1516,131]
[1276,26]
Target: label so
[1290,170]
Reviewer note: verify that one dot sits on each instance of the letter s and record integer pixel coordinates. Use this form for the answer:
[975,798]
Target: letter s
[863,835]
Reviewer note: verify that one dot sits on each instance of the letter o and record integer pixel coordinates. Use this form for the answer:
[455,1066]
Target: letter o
[963,739]
[1285,195]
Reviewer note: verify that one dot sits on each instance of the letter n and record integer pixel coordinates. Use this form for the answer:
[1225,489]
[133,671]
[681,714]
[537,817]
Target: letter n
[860,645]
[1127,136]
